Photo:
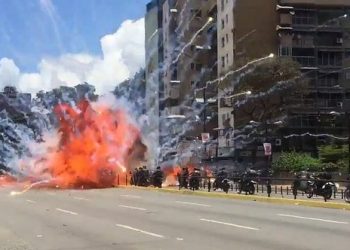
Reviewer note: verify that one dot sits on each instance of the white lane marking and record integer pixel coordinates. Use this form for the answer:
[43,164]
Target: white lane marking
[136,208]
[230,224]
[310,218]
[130,196]
[80,198]
[140,231]
[30,201]
[66,211]
[194,204]
[178,238]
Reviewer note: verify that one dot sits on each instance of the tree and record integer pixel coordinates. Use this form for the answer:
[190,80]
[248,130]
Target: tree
[336,155]
[293,161]
[269,82]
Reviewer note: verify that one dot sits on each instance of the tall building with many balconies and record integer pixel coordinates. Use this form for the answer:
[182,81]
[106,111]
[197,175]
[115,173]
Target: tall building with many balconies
[189,45]
[246,30]
[153,75]
[316,33]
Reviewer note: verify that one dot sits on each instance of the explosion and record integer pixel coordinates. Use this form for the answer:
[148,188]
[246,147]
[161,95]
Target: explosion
[96,144]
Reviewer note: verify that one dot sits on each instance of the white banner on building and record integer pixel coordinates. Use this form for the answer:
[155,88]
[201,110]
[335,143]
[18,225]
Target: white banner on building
[267,149]
[205,137]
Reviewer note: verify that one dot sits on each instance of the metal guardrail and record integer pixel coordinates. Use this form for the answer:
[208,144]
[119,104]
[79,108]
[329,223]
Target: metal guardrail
[264,185]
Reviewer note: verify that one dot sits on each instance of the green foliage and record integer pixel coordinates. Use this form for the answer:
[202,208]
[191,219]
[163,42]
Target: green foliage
[331,153]
[293,161]
[266,75]
[335,154]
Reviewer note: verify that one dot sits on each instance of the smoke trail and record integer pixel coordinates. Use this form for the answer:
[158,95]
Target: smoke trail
[316,135]
[210,19]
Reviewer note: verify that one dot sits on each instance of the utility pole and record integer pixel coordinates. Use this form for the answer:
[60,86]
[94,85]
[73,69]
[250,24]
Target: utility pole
[204,111]
[205,117]
[348,124]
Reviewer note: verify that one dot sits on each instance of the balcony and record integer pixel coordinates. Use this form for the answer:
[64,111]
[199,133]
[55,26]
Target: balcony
[305,61]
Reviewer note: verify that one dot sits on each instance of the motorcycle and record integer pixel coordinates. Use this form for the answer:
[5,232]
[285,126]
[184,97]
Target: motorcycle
[347,195]
[194,180]
[319,187]
[247,186]
[157,179]
[183,181]
[347,192]
[222,184]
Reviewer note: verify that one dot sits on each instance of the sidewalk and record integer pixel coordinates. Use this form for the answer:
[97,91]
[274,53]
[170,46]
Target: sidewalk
[290,196]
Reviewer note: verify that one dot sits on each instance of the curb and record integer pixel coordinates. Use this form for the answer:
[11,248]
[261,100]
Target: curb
[272,200]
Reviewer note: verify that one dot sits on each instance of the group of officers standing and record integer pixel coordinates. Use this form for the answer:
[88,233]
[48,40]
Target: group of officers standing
[142,177]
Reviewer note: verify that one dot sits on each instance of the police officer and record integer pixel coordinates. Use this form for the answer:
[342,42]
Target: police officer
[157,177]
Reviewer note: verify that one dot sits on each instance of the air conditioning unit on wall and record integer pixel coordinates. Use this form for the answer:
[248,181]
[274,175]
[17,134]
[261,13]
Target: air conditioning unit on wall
[340,40]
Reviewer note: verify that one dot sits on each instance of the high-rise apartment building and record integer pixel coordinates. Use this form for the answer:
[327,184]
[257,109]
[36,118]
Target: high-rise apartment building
[153,75]
[316,33]
[189,46]
[246,30]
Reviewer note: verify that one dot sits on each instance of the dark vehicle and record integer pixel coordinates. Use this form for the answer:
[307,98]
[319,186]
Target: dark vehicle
[246,183]
[157,178]
[221,181]
[320,184]
[183,178]
[301,181]
[347,192]
[195,179]
[143,177]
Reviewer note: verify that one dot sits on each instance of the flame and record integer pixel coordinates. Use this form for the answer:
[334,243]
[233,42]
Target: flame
[171,173]
[96,145]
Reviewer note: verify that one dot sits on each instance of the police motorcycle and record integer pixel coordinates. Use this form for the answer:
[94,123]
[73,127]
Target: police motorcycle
[246,182]
[221,181]
[143,178]
[157,178]
[183,178]
[320,184]
[195,179]
[347,192]
[301,181]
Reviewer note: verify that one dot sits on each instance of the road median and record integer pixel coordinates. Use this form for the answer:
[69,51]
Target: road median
[274,200]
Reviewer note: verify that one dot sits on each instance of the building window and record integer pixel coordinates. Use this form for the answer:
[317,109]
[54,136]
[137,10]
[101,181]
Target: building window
[192,66]
[223,62]
[226,18]
[347,75]
[329,58]
[347,54]
[285,51]
[222,5]
[192,83]
[304,18]
[222,23]
[223,42]
[226,58]
[198,66]
[226,38]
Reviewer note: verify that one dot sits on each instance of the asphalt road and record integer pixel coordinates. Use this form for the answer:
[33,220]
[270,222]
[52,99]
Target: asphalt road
[138,219]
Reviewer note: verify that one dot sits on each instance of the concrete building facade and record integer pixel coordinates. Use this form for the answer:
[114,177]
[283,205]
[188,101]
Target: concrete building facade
[153,76]
[316,33]
[246,31]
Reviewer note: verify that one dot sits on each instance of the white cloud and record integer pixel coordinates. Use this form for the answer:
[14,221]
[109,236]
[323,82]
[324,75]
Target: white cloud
[122,56]
[9,72]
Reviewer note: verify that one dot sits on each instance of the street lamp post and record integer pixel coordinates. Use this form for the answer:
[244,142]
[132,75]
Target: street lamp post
[347,116]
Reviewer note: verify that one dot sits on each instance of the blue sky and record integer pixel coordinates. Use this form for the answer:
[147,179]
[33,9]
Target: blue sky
[29,32]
